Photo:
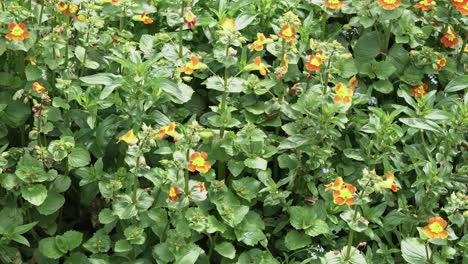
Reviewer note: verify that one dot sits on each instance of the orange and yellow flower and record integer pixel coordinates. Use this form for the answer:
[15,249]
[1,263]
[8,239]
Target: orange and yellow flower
[17,32]
[440,63]
[461,6]
[436,228]
[39,88]
[389,182]
[419,90]
[143,18]
[129,138]
[425,4]
[257,65]
[190,19]
[334,4]
[315,61]
[288,33]
[228,24]
[343,94]
[168,130]
[336,185]
[389,4]
[343,193]
[62,7]
[198,162]
[283,68]
[257,45]
[193,65]
[173,194]
[450,38]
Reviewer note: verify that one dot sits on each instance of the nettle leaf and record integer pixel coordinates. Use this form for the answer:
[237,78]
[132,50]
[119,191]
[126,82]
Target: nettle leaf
[295,240]
[414,250]
[31,170]
[301,217]
[226,250]
[318,228]
[250,230]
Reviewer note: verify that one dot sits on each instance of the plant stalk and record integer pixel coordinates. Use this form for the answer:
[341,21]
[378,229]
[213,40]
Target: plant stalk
[181,31]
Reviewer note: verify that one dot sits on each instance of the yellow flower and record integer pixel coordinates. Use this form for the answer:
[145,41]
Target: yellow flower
[129,138]
[228,24]
[194,64]
[39,88]
[198,161]
[436,228]
[288,33]
[258,44]
[343,94]
[143,18]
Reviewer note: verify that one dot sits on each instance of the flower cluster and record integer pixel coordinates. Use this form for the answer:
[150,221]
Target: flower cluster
[425,5]
[315,61]
[461,6]
[450,38]
[389,4]
[17,32]
[343,94]
[419,90]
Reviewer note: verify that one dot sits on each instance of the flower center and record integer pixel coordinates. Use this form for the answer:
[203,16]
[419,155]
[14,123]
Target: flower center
[345,193]
[436,227]
[17,31]
[198,162]
[390,1]
[287,32]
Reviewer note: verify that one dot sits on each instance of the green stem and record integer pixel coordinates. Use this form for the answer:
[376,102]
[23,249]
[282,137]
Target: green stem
[2,5]
[85,56]
[387,36]
[122,18]
[323,25]
[460,54]
[136,182]
[181,32]
[39,21]
[325,82]
[224,98]
[66,44]
[186,175]
[351,233]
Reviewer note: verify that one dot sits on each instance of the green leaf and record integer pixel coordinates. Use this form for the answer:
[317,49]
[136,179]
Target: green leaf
[99,243]
[51,204]
[30,170]
[215,83]
[420,124]
[414,250]
[301,217]
[256,163]
[180,93]
[235,167]
[79,157]
[102,79]
[383,86]
[226,250]
[33,73]
[106,216]
[70,239]
[457,84]
[35,194]
[122,246]
[246,187]
[319,227]
[48,248]
[366,48]
[243,21]
[355,154]
[295,240]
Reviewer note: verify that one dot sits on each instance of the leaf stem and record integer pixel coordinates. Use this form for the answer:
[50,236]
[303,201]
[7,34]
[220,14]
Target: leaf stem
[181,32]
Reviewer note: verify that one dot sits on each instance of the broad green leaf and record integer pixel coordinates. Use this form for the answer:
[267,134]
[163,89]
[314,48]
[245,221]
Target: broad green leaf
[243,21]
[420,124]
[366,48]
[256,163]
[180,93]
[79,157]
[48,248]
[35,194]
[226,250]
[246,187]
[414,251]
[457,84]
[51,204]
[122,246]
[383,86]
[295,240]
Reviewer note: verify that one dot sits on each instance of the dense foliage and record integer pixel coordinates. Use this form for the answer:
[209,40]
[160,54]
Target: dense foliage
[233,131]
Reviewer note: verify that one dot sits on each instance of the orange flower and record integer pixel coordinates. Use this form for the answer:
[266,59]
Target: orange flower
[450,38]
[129,138]
[228,24]
[343,94]
[419,90]
[283,68]
[194,64]
[463,8]
[173,194]
[336,185]
[353,83]
[39,88]
[440,63]
[199,162]
[344,195]
[334,4]
[389,182]
[258,44]
[288,33]
[168,130]
[425,4]
[190,19]
[143,18]
[17,32]
[315,61]
[389,4]
[257,65]
[436,228]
